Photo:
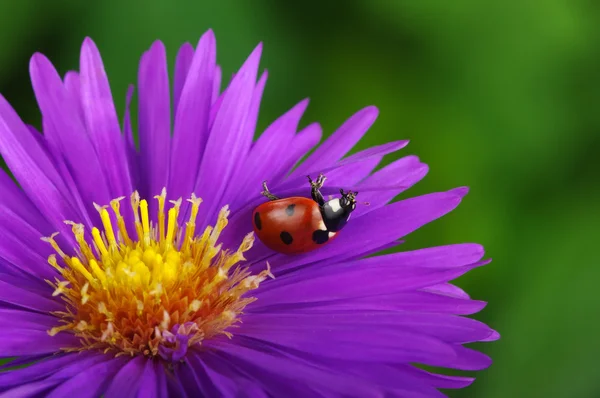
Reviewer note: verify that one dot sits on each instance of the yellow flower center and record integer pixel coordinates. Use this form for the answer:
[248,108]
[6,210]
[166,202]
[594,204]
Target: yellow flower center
[155,293]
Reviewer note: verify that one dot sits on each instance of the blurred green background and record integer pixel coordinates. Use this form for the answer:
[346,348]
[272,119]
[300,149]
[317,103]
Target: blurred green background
[501,96]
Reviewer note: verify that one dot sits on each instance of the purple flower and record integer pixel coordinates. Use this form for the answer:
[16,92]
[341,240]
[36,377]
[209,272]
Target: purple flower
[141,296]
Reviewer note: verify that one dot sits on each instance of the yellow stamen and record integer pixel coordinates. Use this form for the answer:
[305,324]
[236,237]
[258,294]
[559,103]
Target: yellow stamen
[171,225]
[99,242]
[116,206]
[145,221]
[161,213]
[135,205]
[110,234]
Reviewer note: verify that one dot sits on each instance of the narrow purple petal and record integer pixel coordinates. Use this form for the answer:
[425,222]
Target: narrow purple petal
[383,225]
[191,120]
[213,382]
[17,342]
[354,284]
[154,121]
[436,380]
[182,66]
[33,169]
[398,176]
[15,200]
[101,120]
[27,299]
[355,344]
[326,380]
[216,84]
[152,384]
[350,170]
[264,156]
[130,145]
[89,381]
[37,389]
[19,319]
[395,379]
[21,246]
[339,143]
[468,359]
[73,86]
[38,370]
[127,381]
[449,290]
[227,135]
[444,327]
[303,142]
[421,301]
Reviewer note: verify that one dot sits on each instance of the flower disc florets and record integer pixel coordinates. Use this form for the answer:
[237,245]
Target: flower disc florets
[155,292]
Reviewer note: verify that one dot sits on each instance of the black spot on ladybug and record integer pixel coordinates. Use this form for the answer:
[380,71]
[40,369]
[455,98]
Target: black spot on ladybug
[290,210]
[286,237]
[257,221]
[320,236]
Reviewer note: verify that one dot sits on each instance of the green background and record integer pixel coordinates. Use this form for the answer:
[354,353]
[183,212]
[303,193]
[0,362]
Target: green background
[501,96]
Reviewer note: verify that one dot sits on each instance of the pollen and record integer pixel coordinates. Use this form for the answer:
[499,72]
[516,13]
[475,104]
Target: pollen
[152,290]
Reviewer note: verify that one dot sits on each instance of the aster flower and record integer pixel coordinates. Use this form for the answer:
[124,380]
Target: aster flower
[148,280]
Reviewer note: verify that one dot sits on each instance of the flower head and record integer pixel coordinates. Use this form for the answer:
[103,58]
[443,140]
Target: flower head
[129,271]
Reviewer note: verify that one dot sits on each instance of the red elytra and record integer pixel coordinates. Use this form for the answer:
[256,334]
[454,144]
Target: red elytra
[287,225]
[298,225]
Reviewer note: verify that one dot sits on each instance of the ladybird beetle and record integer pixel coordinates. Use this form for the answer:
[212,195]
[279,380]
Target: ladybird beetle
[297,224]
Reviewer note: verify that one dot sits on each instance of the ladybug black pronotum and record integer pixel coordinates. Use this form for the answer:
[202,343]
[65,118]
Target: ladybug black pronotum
[298,225]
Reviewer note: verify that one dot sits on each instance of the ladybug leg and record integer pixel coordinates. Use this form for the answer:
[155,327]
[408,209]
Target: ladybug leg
[268,193]
[315,186]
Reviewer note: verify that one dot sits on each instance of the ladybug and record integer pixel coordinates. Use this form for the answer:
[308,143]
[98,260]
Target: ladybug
[297,224]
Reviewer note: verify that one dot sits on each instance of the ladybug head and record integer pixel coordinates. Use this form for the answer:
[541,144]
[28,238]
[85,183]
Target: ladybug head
[348,200]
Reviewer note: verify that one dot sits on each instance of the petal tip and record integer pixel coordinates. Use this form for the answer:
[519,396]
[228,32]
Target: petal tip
[461,192]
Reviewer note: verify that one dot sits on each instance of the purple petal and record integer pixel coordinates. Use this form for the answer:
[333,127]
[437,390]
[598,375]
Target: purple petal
[152,384]
[15,200]
[33,169]
[448,290]
[382,225]
[264,156]
[41,369]
[21,246]
[130,146]
[404,301]
[436,380]
[216,84]
[213,383]
[182,66]
[17,342]
[64,132]
[88,381]
[444,327]
[101,120]
[154,120]
[399,176]
[227,134]
[395,379]
[38,389]
[326,380]
[27,299]
[468,359]
[73,86]
[339,143]
[191,120]
[127,381]
[18,319]
[353,284]
[302,143]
